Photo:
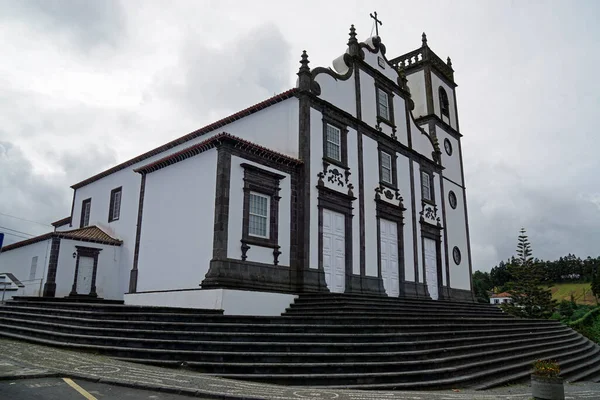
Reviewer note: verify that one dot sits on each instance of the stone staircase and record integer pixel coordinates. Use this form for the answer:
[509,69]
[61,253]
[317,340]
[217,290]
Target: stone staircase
[328,340]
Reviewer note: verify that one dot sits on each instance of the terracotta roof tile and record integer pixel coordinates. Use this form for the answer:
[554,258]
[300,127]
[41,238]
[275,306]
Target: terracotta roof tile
[208,128]
[211,143]
[62,222]
[88,234]
[503,294]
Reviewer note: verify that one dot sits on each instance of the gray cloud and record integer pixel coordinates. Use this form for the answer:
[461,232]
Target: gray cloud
[229,77]
[88,23]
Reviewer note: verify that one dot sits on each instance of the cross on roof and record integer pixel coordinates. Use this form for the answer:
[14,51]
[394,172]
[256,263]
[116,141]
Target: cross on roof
[376,22]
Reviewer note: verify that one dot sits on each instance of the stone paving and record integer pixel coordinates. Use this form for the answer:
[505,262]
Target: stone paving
[24,360]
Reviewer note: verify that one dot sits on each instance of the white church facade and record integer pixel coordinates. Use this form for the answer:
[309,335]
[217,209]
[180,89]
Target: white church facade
[351,182]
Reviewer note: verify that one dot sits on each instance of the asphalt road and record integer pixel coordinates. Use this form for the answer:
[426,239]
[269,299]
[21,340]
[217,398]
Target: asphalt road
[60,389]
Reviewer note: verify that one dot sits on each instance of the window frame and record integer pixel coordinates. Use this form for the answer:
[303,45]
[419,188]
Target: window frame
[394,169]
[82,222]
[444,102]
[390,105]
[111,205]
[33,268]
[343,163]
[267,184]
[266,216]
[429,174]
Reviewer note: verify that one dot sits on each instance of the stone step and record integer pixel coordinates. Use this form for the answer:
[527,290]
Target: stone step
[521,372]
[110,307]
[314,319]
[329,300]
[317,344]
[388,313]
[229,352]
[394,307]
[440,370]
[584,370]
[435,338]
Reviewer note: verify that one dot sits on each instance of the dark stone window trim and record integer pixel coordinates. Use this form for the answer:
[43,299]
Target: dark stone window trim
[391,213]
[266,183]
[444,102]
[429,172]
[389,121]
[386,149]
[448,147]
[86,252]
[456,255]
[452,200]
[341,203]
[82,222]
[113,193]
[328,120]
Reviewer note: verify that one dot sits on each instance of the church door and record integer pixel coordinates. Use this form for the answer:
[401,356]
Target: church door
[388,237]
[430,247]
[84,275]
[334,250]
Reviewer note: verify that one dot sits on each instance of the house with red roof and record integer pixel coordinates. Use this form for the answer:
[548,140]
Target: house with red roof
[350,182]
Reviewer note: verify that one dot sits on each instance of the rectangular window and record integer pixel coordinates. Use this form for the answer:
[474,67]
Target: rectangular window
[386,168]
[86,208]
[426,186]
[383,105]
[114,211]
[258,223]
[333,147]
[496,301]
[33,269]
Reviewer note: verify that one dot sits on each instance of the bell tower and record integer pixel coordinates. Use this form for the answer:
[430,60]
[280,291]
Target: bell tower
[431,82]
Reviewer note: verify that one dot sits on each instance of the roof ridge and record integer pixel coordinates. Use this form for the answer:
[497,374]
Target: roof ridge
[192,135]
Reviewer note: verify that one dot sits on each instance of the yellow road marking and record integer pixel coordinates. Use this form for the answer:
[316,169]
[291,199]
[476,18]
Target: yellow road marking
[81,390]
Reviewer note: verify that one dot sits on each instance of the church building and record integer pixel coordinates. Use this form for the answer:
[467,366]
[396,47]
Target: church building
[351,182]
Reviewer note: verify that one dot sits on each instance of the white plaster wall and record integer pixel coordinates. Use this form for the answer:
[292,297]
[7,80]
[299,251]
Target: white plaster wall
[67,227]
[338,92]
[353,164]
[233,302]
[438,201]
[236,212]
[108,268]
[18,263]
[457,236]
[420,140]
[176,241]
[400,120]
[368,100]
[452,168]
[403,167]
[275,127]
[387,70]
[416,83]
[417,194]
[371,177]
[436,82]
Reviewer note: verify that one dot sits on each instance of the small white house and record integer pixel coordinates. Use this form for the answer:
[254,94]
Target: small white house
[350,182]
[500,298]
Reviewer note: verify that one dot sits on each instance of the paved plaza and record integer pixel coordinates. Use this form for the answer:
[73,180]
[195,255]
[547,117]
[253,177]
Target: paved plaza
[22,360]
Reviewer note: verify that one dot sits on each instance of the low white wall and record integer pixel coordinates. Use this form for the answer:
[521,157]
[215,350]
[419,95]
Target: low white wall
[18,263]
[233,302]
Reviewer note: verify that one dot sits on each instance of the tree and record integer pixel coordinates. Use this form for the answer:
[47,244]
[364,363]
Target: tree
[529,298]
[481,285]
[596,285]
[499,275]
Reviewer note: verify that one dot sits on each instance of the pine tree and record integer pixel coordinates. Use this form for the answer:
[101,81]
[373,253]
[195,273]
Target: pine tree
[529,298]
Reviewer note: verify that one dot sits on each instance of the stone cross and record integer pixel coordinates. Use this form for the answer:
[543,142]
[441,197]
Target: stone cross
[376,22]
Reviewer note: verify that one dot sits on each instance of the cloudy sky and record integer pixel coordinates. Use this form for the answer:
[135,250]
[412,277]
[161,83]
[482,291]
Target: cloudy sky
[87,84]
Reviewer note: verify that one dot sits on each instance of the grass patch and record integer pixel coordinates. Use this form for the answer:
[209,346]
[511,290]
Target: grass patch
[582,292]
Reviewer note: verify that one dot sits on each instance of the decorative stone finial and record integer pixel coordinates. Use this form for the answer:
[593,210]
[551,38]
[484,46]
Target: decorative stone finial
[353,46]
[352,34]
[304,77]
[424,39]
[304,62]
[449,62]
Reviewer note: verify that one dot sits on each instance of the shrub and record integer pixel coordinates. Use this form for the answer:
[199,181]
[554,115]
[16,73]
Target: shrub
[546,368]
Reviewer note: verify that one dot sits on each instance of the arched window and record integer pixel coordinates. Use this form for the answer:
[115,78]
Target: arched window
[444,104]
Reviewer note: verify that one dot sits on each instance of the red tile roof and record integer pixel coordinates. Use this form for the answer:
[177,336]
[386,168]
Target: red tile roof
[211,143]
[503,294]
[91,234]
[208,128]
[61,222]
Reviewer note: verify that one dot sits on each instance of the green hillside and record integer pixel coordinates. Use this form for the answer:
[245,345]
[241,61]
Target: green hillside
[582,293]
